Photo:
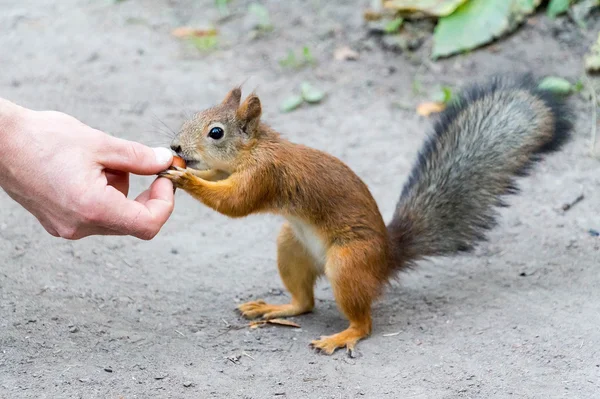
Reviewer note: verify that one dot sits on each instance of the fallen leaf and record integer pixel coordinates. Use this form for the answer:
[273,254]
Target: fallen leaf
[436,8]
[592,59]
[204,43]
[556,85]
[372,15]
[291,103]
[283,322]
[556,7]
[256,324]
[184,32]
[444,95]
[428,108]
[279,322]
[393,25]
[262,14]
[478,22]
[311,94]
[345,54]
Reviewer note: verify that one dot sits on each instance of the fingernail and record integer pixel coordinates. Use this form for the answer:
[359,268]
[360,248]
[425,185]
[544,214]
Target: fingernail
[163,155]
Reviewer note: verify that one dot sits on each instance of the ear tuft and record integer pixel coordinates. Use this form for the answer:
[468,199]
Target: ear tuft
[249,113]
[232,99]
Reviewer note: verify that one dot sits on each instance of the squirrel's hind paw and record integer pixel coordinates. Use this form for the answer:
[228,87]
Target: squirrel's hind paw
[347,338]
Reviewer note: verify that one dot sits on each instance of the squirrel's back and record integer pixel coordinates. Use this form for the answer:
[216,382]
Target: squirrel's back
[487,137]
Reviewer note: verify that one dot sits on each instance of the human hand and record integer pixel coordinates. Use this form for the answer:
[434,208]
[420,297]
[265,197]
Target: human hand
[75,179]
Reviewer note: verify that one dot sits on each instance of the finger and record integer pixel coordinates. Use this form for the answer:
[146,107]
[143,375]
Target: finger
[129,156]
[118,180]
[144,217]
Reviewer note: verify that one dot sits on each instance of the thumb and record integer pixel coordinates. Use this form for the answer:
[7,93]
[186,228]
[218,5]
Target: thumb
[129,156]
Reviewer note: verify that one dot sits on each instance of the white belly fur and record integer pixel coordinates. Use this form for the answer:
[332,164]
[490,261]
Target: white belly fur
[308,236]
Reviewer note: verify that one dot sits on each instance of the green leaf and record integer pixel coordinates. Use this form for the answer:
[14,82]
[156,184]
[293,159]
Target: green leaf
[592,58]
[447,94]
[556,7]
[291,103]
[478,22]
[262,14]
[436,8]
[308,55]
[556,85]
[311,94]
[289,61]
[393,25]
[205,43]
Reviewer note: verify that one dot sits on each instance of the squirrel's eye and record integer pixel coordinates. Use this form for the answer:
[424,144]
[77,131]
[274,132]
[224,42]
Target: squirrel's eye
[216,133]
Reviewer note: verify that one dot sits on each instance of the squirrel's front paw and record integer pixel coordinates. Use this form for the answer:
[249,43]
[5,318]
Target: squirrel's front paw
[181,178]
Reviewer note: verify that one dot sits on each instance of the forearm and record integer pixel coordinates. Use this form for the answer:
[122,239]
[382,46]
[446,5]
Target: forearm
[233,196]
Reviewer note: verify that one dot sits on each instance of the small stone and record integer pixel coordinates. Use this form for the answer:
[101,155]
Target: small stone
[108,369]
[174,251]
[187,384]
[93,57]
[74,329]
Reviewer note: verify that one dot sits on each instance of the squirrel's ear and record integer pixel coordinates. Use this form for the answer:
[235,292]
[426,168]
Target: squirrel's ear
[249,113]
[232,99]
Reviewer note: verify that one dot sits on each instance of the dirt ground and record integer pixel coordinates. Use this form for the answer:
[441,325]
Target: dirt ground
[122,318]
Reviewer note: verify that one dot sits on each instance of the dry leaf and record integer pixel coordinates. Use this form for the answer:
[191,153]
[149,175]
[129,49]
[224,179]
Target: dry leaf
[283,322]
[428,108]
[256,324]
[592,59]
[185,31]
[279,322]
[372,15]
[345,54]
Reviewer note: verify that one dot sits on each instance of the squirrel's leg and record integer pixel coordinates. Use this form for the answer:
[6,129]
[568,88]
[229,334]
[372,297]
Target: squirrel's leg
[349,270]
[233,196]
[298,273]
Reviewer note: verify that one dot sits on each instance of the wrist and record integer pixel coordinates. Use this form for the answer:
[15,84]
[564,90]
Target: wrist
[11,117]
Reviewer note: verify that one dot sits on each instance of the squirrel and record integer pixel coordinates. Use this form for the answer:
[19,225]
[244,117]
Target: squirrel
[492,133]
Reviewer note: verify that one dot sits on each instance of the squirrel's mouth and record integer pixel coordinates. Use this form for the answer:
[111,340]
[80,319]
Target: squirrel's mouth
[195,164]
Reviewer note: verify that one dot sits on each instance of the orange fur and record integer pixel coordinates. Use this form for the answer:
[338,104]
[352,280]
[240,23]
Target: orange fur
[330,205]
[480,144]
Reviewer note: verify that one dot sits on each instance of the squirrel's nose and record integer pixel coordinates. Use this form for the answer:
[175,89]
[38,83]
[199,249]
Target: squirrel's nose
[176,147]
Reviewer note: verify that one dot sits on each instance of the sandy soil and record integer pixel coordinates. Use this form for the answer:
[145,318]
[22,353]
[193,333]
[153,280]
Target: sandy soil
[118,317]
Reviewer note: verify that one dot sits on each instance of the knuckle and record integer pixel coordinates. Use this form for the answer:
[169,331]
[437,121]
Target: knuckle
[147,234]
[67,232]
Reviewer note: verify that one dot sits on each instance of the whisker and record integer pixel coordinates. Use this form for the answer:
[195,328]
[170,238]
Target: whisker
[173,132]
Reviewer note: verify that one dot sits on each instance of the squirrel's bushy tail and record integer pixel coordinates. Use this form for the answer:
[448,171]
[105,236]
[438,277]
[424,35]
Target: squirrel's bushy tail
[490,135]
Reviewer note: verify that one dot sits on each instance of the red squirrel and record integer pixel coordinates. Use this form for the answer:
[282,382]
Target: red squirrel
[238,165]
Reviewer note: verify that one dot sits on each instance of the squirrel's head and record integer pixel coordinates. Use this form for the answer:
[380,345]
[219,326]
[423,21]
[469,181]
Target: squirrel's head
[214,138]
